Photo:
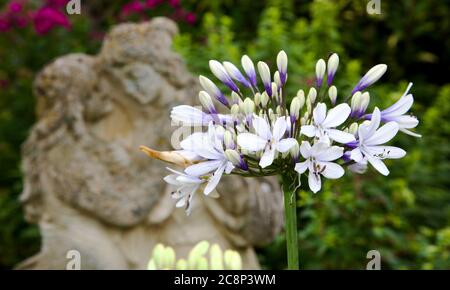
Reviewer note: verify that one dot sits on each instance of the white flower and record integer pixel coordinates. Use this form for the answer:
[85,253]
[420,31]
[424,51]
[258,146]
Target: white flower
[186,187]
[324,124]
[397,113]
[266,139]
[318,162]
[370,138]
[210,147]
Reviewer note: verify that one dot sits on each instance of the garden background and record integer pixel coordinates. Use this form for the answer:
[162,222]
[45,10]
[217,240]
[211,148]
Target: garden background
[405,217]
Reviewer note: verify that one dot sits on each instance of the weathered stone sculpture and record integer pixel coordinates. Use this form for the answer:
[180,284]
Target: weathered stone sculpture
[89,187]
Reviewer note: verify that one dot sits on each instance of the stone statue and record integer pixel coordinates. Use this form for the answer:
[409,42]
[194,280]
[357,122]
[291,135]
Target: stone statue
[91,190]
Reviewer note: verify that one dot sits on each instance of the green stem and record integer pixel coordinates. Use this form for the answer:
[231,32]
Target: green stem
[290,211]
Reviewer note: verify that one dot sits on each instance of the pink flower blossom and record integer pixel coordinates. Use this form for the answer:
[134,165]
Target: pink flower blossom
[174,3]
[47,18]
[152,3]
[191,18]
[15,7]
[5,24]
[57,4]
[134,7]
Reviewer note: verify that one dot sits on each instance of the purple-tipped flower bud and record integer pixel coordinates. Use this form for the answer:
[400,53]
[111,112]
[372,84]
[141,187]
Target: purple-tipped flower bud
[206,101]
[213,90]
[220,72]
[264,73]
[249,68]
[234,157]
[320,71]
[228,140]
[373,75]
[282,63]
[235,74]
[333,63]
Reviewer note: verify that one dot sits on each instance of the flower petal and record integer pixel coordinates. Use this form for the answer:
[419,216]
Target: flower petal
[378,164]
[383,134]
[387,152]
[356,155]
[340,136]
[330,153]
[400,107]
[279,128]
[251,142]
[336,116]
[314,182]
[301,166]
[203,168]
[262,128]
[172,179]
[305,149]
[332,170]
[308,130]
[366,132]
[285,144]
[406,121]
[320,113]
[267,158]
[214,180]
[189,115]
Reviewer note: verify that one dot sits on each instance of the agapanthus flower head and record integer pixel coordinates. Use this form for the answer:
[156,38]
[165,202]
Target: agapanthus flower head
[253,130]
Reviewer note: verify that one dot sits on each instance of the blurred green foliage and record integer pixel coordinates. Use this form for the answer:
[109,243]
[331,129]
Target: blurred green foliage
[405,216]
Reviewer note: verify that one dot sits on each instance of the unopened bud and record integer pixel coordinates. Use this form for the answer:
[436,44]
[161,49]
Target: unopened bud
[249,69]
[332,94]
[295,107]
[312,95]
[320,71]
[264,73]
[365,99]
[257,99]
[373,75]
[264,99]
[353,129]
[276,79]
[212,90]
[228,140]
[235,111]
[235,98]
[282,63]
[278,110]
[248,107]
[206,101]
[295,151]
[216,258]
[333,63]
